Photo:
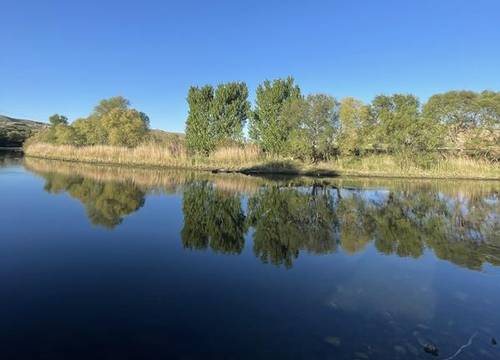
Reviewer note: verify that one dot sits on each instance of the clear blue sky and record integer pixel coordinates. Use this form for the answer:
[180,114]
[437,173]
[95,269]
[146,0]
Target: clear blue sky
[63,56]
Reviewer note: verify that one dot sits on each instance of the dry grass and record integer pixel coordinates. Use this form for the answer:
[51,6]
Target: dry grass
[452,167]
[250,159]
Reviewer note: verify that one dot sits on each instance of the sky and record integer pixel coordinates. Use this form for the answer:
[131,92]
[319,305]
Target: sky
[64,56]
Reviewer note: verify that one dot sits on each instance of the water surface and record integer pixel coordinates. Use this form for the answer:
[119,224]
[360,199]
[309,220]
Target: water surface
[115,263]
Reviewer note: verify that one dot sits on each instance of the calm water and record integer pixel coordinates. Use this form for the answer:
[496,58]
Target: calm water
[113,263]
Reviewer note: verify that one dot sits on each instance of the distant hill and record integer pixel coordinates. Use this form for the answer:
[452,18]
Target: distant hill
[13,132]
[162,136]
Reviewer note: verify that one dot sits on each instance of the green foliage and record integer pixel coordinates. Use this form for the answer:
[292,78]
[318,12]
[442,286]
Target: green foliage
[229,109]
[216,117]
[312,128]
[57,119]
[111,123]
[198,124]
[90,131]
[107,105]
[354,127]
[124,127]
[402,130]
[314,134]
[468,119]
[268,127]
[64,134]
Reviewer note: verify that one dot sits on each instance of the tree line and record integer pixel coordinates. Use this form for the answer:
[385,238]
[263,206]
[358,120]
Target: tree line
[285,122]
[112,122]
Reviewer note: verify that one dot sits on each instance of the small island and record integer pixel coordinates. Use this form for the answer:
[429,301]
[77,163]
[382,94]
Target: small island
[453,135]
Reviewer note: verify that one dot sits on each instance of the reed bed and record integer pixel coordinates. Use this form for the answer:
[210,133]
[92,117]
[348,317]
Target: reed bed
[449,167]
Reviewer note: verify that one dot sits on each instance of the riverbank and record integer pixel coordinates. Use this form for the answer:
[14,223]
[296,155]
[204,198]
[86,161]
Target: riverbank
[11,149]
[249,160]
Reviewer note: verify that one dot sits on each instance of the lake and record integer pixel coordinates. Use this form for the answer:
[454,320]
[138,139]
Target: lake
[128,263]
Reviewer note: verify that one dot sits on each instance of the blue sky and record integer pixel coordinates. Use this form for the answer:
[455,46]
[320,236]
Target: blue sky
[63,56]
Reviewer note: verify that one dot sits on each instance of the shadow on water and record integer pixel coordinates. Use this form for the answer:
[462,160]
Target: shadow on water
[10,156]
[458,221]
[272,169]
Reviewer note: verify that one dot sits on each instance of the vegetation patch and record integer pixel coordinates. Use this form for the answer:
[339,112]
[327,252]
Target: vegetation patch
[454,134]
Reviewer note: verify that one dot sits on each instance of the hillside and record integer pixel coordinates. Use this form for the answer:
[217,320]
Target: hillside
[13,132]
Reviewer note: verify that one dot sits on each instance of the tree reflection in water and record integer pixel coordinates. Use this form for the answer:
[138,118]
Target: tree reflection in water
[460,224]
[288,220]
[212,218]
[106,203]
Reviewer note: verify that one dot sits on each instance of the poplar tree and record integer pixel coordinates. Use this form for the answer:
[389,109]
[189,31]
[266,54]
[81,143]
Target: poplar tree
[267,127]
[229,112]
[199,137]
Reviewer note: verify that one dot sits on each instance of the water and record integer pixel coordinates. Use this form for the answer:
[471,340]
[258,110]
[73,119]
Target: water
[114,263]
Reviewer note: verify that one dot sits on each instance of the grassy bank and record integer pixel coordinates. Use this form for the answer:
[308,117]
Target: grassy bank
[250,160]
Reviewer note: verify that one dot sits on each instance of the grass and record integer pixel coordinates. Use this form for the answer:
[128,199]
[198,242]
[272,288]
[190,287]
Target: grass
[249,159]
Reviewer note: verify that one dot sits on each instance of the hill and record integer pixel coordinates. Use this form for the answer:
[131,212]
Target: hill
[13,132]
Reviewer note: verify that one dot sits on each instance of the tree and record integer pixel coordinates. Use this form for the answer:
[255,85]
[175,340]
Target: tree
[64,135]
[229,111]
[466,117]
[57,119]
[112,122]
[198,136]
[125,127]
[267,127]
[107,105]
[90,131]
[402,130]
[320,125]
[314,122]
[353,126]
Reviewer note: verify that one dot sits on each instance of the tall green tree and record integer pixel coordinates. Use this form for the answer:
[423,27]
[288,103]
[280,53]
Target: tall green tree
[199,138]
[267,127]
[314,132]
[353,129]
[229,109]
[402,130]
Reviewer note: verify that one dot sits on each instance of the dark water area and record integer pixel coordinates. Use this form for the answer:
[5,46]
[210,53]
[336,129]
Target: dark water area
[115,263]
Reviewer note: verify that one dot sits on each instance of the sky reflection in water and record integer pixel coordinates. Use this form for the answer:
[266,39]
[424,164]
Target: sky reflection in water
[134,262]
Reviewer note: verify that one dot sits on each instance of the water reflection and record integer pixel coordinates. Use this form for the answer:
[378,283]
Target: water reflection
[106,203]
[212,218]
[288,220]
[459,222]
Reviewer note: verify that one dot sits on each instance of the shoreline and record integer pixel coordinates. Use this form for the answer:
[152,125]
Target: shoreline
[262,170]
[11,149]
